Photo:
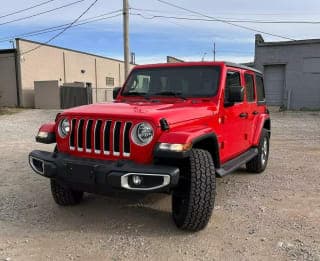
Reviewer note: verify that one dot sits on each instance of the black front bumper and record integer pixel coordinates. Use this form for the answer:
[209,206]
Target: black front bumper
[99,176]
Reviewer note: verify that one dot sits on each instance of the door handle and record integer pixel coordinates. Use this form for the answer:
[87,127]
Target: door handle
[243,115]
[255,113]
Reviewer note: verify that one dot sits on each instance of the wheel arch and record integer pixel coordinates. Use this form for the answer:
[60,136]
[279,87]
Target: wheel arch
[264,123]
[208,142]
[267,125]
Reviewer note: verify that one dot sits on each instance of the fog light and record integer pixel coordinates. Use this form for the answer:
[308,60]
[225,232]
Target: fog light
[137,180]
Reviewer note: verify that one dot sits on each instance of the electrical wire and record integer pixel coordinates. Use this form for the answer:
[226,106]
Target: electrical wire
[59,27]
[252,21]
[41,13]
[225,21]
[63,30]
[58,34]
[26,9]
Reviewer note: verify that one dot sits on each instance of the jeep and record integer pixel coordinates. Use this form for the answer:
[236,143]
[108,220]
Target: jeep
[172,128]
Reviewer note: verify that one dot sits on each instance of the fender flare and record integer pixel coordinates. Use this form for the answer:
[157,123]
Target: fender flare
[214,149]
[196,141]
[49,129]
[261,123]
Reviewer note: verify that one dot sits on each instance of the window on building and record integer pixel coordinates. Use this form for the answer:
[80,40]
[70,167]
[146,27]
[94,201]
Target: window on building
[233,80]
[249,87]
[260,89]
[109,81]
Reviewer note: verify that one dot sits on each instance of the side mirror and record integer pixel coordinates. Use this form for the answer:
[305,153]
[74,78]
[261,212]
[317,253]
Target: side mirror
[116,91]
[235,94]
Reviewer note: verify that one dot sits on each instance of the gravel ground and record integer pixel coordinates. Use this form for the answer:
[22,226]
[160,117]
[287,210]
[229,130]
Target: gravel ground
[272,216]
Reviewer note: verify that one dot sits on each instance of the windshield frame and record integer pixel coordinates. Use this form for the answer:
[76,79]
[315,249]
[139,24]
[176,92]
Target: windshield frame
[177,95]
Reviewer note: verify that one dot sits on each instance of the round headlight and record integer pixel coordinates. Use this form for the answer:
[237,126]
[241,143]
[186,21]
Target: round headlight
[64,128]
[142,133]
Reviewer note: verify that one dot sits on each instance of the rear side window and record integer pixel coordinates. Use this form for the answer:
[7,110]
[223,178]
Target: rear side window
[260,89]
[233,80]
[249,87]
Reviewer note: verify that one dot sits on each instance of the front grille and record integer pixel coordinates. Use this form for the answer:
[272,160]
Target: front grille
[105,137]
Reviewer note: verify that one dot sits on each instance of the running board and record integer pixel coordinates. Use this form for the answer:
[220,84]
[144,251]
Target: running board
[235,163]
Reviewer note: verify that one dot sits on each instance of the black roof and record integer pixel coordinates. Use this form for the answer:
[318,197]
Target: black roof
[241,66]
[7,51]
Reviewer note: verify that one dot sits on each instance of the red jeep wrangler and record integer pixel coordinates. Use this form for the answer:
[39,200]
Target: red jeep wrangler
[172,128]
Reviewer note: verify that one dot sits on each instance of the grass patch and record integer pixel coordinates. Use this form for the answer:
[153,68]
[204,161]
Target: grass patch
[9,111]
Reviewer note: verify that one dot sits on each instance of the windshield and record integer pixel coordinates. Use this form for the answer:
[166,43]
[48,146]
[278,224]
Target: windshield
[193,81]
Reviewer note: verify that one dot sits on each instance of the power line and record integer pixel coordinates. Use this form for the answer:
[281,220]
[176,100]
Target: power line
[253,21]
[232,13]
[58,34]
[26,9]
[63,30]
[232,21]
[45,31]
[41,13]
[59,27]
[224,21]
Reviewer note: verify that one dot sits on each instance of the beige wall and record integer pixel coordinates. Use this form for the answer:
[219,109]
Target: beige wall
[51,63]
[8,91]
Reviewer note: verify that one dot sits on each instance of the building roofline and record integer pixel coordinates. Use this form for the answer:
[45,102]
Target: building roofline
[68,49]
[296,42]
[174,58]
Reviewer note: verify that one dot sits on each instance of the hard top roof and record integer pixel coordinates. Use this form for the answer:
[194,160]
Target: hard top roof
[185,64]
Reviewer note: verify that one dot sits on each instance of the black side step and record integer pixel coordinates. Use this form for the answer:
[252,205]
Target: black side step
[235,163]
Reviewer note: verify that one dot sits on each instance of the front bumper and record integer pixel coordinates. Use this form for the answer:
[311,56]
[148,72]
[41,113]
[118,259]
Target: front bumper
[99,176]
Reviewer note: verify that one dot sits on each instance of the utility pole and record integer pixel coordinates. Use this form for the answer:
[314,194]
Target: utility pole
[214,51]
[204,55]
[126,47]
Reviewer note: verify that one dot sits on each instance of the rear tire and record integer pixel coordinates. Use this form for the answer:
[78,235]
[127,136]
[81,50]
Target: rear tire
[64,196]
[259,163]
[193,200]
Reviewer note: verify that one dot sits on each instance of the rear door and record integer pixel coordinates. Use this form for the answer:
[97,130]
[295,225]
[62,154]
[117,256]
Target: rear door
[233,120]
[250,100]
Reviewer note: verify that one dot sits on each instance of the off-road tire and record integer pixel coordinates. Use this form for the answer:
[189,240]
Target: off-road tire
[193,200]
[64,196]
[257,164]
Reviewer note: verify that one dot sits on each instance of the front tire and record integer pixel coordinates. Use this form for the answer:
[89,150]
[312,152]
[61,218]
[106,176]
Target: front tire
[64,196]
[193,200]
[259,163]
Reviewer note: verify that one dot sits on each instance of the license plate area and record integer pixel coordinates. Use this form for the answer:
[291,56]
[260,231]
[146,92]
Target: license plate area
[80,173]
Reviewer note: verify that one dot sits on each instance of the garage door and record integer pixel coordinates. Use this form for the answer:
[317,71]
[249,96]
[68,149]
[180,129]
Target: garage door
[274,84]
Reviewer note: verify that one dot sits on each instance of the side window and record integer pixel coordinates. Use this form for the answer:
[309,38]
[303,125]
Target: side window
[260,89]
[249,87]
[233,80]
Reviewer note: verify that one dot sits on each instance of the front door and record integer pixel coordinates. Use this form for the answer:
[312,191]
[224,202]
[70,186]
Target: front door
[233,121]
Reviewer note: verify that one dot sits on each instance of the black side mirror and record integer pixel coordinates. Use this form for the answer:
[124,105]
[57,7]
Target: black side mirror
[235,94]
[116,91]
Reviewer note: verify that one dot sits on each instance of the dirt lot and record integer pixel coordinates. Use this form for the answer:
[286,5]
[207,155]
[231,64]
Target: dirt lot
[272,216]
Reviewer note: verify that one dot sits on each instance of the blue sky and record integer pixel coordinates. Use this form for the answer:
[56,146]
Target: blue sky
[152,40]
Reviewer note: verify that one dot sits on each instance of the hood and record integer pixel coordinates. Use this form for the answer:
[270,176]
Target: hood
[173,112]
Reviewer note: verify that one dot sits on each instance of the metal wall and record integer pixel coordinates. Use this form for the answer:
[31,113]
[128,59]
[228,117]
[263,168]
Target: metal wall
[71,96]
[297,64]
[274,79]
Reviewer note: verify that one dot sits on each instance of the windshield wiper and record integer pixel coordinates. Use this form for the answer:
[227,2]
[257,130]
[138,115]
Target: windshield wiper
[142,94]
[170,93]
